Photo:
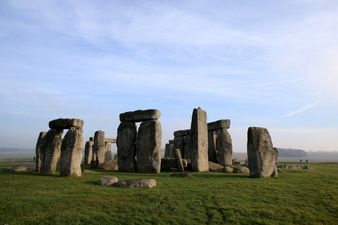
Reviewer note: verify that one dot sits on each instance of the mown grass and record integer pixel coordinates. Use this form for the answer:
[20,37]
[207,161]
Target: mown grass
[295,197]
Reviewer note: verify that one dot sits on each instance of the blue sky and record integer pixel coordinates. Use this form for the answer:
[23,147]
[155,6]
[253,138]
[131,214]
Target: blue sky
[259,63]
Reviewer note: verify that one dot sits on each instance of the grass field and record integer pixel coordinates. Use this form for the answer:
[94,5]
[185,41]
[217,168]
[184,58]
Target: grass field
[295,197]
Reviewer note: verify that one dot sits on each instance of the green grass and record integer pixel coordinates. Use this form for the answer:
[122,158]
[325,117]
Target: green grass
[295,197]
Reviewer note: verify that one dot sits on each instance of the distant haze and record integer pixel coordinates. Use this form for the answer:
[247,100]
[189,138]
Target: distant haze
[271,64]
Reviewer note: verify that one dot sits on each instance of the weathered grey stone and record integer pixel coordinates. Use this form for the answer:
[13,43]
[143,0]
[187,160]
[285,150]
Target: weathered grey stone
[88,152]
[168,164]
[212,146]
[214,167]
[141,183]
[91,139]
[65,123]
[171,141]
[110,165]
[179,162]
[99,146]
[169,151]
[228,169]
[186,147]
[108,155]
[110,140]
[219,124]
[178,144]
[199,141]
[140,115]
[39,151]
[71,153]
[242,169]
[107,181]
[261,155]
[223,147]
[52,151]
[148,147]
[126,146]
[23,168]
[180,133]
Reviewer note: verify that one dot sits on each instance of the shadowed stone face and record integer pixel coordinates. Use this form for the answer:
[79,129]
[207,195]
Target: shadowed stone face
[39,151]
[148,147]
[212,146]
[52,151]
[65,123]
[71,153]
[88,152]
[108,155]
[140,115]
[199,141]
[261,154]
[126,146]
[223,147]
[99,146]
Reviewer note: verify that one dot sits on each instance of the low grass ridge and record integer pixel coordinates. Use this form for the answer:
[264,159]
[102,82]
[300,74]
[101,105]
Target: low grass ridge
[295,197]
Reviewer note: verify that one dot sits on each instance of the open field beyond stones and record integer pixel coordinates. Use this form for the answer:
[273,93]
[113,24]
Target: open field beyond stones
[295,197]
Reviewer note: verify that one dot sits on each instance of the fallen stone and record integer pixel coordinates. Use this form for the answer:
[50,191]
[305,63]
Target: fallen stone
[110,165]
[140,115]
[214,167]
[228,169]
[65,123]
[243,169]
[23,168]
[219,124]
[71,153]
[199,141]
[141,183]
[107,181]
[126,147]
[148,147]
[180,174]
[261,154]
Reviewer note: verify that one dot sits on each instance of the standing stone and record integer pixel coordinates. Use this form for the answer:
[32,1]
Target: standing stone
[261,155]
[223,147]
[199,141]
[179,162]
[186,147]
[178,144]
[108,155]
[88,152]
[52,151]
[99,146]
[71,153]
[39,151]
[126,146]
[212,146]
[148,147]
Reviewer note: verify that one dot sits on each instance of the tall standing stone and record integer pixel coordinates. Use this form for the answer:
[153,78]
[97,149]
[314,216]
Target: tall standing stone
[39,150]
[212,146]
[99,146]
[179,162]
[52,151]
[108,155]
[126,146]
[71,153]
[261,154]
[148,147]
[186,147]
[223,147]
[199,141]
[88,152]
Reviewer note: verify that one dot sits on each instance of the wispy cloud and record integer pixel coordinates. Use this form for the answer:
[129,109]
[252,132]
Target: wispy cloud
[303,109]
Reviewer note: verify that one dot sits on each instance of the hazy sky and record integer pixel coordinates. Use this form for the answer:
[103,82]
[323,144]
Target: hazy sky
[259,63]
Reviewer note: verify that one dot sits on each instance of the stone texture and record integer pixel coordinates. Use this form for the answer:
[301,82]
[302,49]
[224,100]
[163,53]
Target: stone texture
[108,155]
[212,146]
[180,133]
[71,153]
[186,147]
[110,165]
[148,147]
[91,139]
[168,164]
[214,167]
[178,144]
[126,146]
[223,147]
[39,151]
[169,151]
[141,183]
[88,152]
[140,115]
[261,155]
[52,151]
[219,124]
[110,140]
[179,162]
[242,169]
[23,168]
[65,123]
[99,146]
[228,169]
[107,181]
[199,141]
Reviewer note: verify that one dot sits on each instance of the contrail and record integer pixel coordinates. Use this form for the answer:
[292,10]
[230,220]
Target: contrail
[307,107]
